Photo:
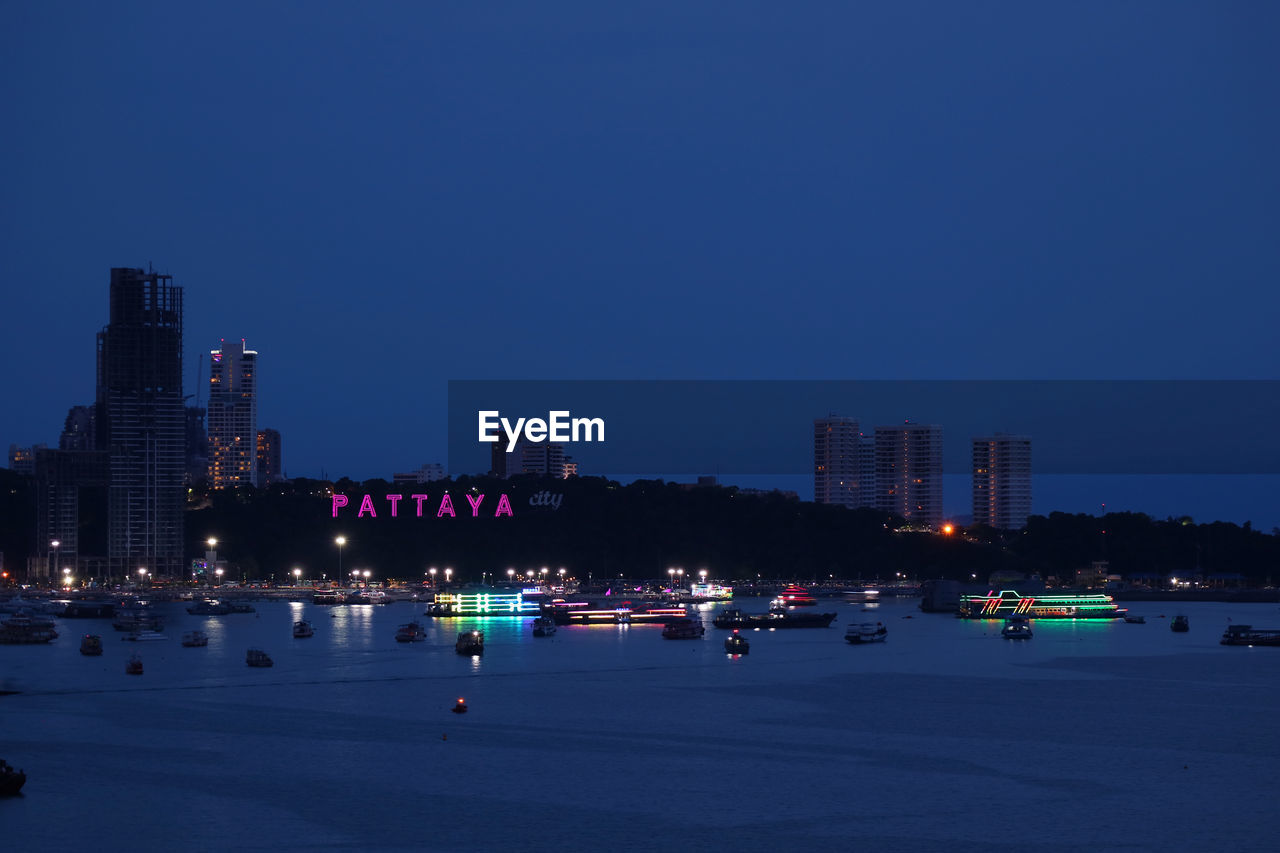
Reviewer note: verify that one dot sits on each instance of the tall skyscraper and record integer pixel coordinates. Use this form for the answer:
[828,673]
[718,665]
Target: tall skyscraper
[1002,481]
[233,416]
[140,423]
[909,472]
[836,454]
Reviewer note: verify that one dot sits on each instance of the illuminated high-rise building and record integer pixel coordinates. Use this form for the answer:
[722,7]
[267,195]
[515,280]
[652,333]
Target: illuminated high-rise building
[838,475]
[1002,481]
[233,416]
[909,472]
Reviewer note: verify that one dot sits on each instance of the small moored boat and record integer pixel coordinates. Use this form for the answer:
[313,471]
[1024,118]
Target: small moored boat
[144,635]
[91,645]
[544,626]
[411,632]
[1180,624]
[11,781]
[1135,619]
[257,658]
[470,643]
[133,666]
[24,629]
[736,644]
[302,629]
[866,632]
[682,629]
[208,607]
[195,639]
[1016,628]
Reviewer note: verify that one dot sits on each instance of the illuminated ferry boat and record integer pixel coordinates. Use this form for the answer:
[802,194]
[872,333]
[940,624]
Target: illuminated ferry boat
[1062,606]
[795,596]
[484,602]
[588,613]
[710,592]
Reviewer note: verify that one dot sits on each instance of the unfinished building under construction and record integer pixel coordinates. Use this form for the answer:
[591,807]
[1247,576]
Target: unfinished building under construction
[141,424]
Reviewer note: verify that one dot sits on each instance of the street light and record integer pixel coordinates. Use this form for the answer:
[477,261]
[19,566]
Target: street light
[366,577]
[432,571]
[448,573]
[211,559]
[142,576]
[672,574]
[54,545]
[218,572]
[297,577]
[66,577]
[702,573]
[340,541]
[511,575]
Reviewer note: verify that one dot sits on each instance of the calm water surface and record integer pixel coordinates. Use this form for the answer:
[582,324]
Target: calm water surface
[1104,735]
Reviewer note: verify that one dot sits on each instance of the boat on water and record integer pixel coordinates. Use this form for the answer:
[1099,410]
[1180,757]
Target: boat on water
[133,666]
[1016,628]
[209,607]
[683,629]
[866,632]
[1058,606]
[470,643]
[1180,624]
[143,636]
[795,596]
[89,609]
[137,620]
[736,644]
[303,629]
[411,632]
[195,639]
[734,618]
[91,645]
[1247,635]
[328,596]
[23,629]
[368,596]
[544,626]
[11,780]
[1135,619]
[258,658]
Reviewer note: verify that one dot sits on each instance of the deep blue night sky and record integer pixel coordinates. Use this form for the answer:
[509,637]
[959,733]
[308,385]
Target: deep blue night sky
[381,198]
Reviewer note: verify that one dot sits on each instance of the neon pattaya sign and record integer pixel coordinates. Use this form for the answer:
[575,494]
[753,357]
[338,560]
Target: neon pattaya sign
[445,507]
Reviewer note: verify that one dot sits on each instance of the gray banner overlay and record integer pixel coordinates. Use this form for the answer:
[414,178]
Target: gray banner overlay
[678,427]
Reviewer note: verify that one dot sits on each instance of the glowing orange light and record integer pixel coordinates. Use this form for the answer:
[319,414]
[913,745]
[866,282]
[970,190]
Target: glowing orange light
[948,529]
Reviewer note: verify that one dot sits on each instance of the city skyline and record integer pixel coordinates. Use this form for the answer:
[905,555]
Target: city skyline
[1102,210]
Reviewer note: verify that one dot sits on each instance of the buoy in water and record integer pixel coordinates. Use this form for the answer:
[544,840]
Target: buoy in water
[461,707]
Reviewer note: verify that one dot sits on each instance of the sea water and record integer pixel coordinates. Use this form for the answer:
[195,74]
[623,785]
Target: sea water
[1091,735]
